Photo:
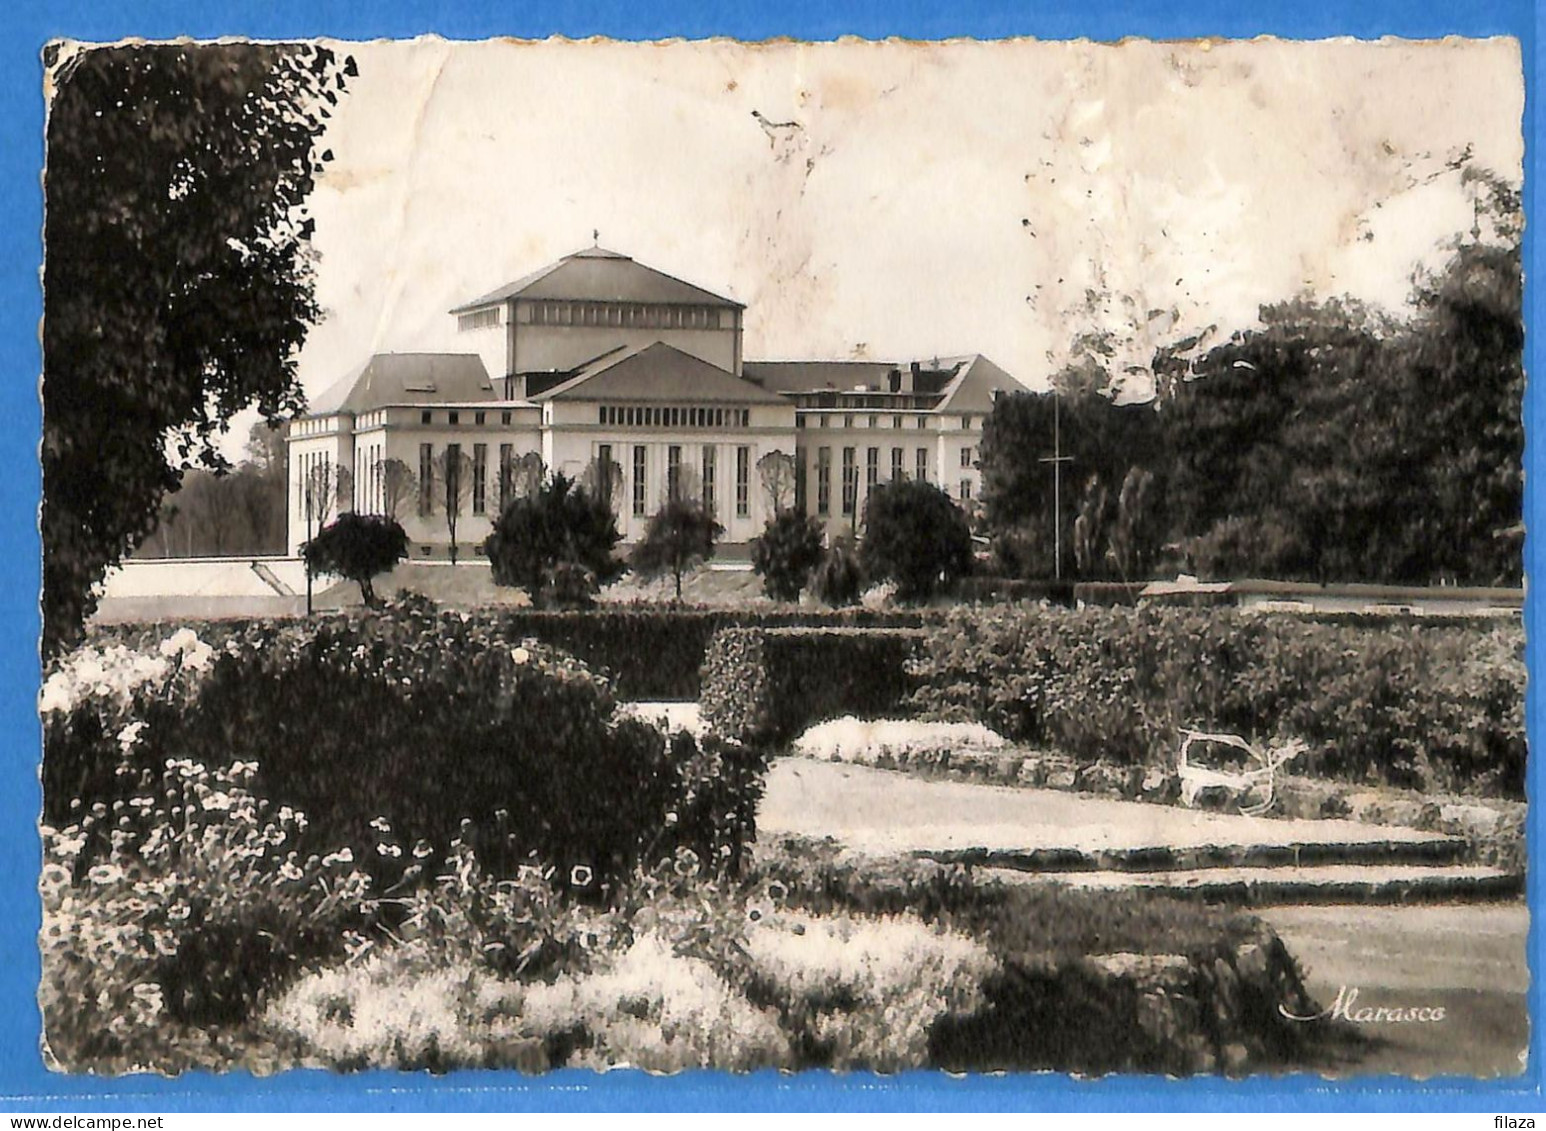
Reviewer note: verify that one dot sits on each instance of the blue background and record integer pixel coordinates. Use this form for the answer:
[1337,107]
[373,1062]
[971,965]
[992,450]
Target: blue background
[25,1085]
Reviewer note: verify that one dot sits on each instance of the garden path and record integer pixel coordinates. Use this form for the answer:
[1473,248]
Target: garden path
[884,811]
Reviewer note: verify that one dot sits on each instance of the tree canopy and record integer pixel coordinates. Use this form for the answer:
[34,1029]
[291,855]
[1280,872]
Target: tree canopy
[1330,442]
[786,551]
[915,536]
[680,537]
[357,547]
[556,523]
[178,280]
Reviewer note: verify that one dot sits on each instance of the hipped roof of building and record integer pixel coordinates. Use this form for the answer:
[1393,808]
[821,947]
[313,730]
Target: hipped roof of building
[407,378]
[599,275]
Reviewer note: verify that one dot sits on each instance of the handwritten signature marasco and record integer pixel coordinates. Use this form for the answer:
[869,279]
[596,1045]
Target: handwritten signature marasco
[1346,1008]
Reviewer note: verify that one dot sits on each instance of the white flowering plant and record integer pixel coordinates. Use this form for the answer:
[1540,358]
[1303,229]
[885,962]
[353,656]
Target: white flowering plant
[183,903]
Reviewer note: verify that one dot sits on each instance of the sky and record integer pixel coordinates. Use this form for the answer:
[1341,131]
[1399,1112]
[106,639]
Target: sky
[903,200]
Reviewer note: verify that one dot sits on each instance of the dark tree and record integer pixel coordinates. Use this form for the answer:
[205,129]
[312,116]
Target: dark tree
[357,547]
[1133,537]
[786,551]
[178,283]
[915,536]
[838,578]
[555,524]
[680,537]
[1096,437]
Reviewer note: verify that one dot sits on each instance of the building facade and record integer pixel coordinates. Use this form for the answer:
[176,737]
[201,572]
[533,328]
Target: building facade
[633,382]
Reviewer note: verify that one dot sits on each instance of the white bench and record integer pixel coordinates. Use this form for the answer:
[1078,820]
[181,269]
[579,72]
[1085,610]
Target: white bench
[1258,776]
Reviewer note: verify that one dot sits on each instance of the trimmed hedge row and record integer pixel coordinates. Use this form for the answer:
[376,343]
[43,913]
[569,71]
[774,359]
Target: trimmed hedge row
[648,653]
[404,731]
[1414,705]
[763,686]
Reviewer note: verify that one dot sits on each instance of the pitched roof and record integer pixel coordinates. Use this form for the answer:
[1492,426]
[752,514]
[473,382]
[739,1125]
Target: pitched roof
[970,386]
[657,372]
[599,275]
[805,376]
[407,378]
[975,385]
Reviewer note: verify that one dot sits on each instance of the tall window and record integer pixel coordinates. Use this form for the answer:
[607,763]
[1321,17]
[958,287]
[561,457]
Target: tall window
[426,478]
[871,468]
[850,480]
[896,464]
[479,478]
[674,472]
[799,481]
[923,465]
[823,480]
[604,473]
[708,479]
[966,489]
[966,457]
[506,470]
[640,470]
[743,481]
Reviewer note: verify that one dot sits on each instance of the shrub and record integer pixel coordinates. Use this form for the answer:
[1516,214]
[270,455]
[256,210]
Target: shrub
[553,524]
[680,537]
[394,732]
[838,578]
[357,547]
[784,554]
[647,652]
[764,686]
[1413,705]
[916,536]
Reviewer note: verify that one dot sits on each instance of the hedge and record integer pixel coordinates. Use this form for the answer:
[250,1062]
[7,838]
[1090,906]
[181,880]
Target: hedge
[388,730]
[764,686]
[1415,705]
[649,652]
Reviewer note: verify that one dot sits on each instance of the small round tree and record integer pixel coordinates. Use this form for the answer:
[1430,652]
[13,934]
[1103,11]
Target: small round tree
[680,536]
[915,536]
[784,554]
[357,547]
[555,524]
[838,578]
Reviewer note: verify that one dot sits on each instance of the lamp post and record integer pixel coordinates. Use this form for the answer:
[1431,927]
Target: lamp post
[1057,459]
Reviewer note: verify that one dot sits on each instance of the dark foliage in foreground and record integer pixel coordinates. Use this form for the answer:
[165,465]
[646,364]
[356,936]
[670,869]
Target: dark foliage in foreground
[179,284]
[435,727]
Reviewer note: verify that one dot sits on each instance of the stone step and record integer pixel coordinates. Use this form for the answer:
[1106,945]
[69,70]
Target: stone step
[1258,887]
[1166,858]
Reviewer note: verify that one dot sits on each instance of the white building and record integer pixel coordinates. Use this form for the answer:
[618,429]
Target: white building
[598,362]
